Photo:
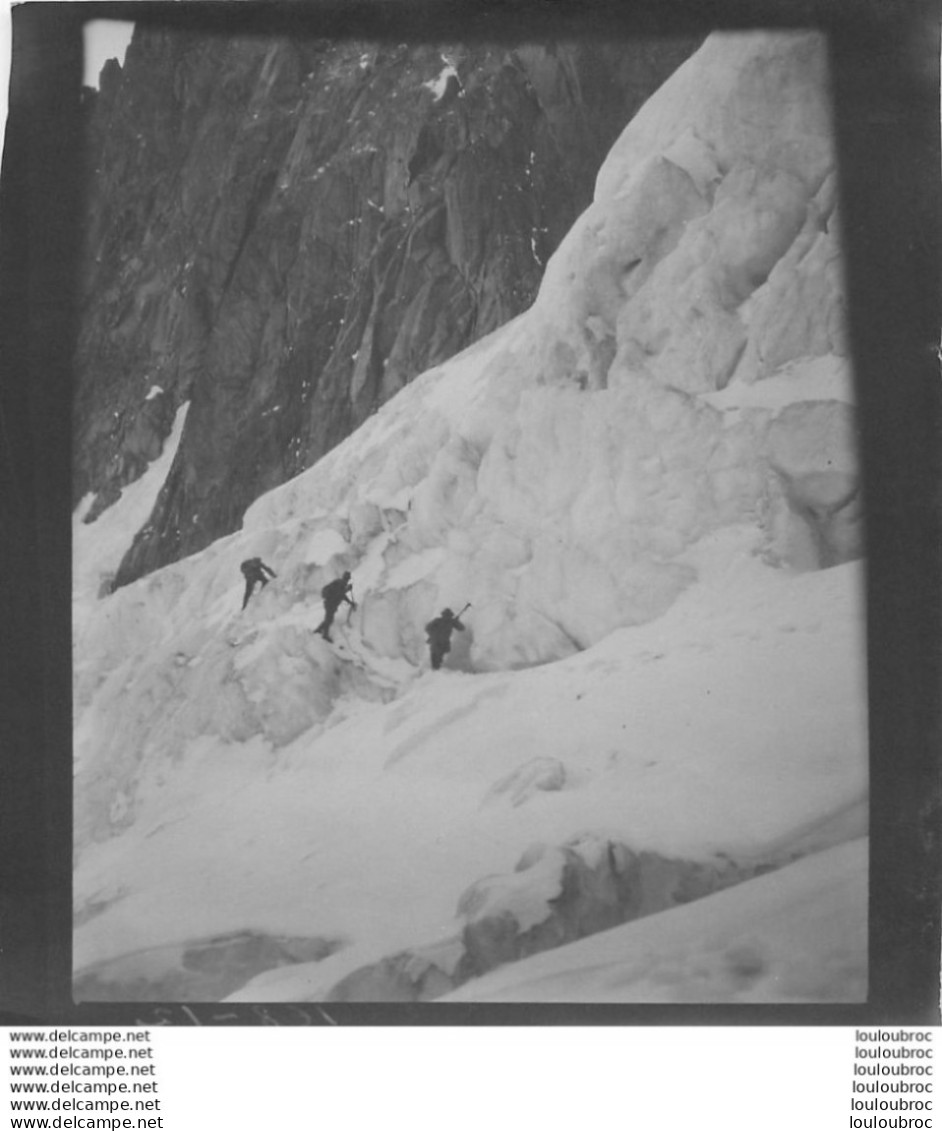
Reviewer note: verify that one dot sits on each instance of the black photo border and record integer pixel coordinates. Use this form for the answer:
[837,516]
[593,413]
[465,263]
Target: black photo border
[885,72]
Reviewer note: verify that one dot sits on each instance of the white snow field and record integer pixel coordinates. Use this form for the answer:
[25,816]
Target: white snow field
[646,757]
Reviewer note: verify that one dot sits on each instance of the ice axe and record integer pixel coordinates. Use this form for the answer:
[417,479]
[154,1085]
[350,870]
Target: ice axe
[464,610]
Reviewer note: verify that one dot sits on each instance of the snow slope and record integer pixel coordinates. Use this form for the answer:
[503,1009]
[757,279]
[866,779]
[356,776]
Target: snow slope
[647,487]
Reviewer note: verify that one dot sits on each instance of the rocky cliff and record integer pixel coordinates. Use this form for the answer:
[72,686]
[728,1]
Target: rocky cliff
[283,233]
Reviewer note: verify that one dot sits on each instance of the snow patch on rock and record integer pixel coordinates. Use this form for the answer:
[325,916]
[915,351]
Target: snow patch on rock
[98,547]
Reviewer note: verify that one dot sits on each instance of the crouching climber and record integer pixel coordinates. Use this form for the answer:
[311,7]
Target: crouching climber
[254,571]
[334,594]
[438,632]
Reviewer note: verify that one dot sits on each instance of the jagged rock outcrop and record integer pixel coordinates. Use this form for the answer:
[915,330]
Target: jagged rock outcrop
[559,894]
[284,233]
[412,975]
[556,894]
[198,971]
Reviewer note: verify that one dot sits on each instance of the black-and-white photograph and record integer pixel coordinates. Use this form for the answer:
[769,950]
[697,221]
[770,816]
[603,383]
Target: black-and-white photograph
[468,532]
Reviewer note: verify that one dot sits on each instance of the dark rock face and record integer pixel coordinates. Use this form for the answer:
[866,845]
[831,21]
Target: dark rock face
[284,233]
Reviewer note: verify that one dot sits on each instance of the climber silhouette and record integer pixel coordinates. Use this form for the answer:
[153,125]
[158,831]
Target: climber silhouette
[439,633]
[334,593]
[254,570]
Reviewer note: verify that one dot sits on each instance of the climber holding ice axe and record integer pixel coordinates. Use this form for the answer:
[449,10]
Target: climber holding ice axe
[334,594]
[439,633]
